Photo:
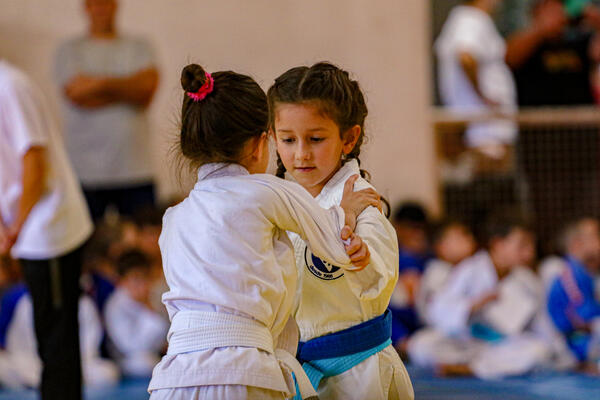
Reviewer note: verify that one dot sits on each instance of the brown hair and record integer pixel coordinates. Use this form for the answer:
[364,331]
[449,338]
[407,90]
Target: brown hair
[334,92]
[216,128]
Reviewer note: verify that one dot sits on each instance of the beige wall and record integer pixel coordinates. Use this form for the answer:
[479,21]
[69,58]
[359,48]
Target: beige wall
[383,42]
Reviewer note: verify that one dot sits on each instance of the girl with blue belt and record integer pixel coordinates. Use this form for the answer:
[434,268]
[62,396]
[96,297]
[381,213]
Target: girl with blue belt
[317,115]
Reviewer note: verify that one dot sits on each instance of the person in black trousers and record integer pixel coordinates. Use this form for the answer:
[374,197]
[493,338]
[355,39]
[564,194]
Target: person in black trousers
[44,222]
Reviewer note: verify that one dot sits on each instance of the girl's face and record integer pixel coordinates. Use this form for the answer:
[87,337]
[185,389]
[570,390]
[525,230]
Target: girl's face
[309,144]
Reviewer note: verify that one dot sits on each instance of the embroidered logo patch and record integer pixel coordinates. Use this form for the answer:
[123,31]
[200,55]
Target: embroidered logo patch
[321,269]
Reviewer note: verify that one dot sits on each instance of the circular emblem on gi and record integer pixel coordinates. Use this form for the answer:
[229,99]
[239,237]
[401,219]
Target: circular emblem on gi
[321,269]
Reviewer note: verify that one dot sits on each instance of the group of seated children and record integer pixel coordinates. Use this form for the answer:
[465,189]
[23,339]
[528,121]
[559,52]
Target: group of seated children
[122,323]
[459,307]
[488,310]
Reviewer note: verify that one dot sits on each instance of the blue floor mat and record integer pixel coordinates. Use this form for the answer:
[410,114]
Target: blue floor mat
[541,386]
[135,389]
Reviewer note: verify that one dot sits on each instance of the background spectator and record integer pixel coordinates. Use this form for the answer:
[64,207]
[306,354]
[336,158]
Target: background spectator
[474,77]
[481,318]
[20,366]
[137,332]
[572,302]
[43,223]
[410,222]
[552,58]
[108,80]
[452,242]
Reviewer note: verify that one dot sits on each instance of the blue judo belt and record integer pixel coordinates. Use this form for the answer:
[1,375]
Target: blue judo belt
[338,352]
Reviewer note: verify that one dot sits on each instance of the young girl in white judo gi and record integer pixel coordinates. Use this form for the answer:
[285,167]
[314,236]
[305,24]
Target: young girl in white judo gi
[317,115]
[228,261]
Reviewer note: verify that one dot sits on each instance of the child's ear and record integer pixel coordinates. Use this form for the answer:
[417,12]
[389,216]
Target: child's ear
[350,138]
[261,145]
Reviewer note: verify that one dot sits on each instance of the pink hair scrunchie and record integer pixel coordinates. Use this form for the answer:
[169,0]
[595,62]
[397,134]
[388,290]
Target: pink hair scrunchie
[204,90]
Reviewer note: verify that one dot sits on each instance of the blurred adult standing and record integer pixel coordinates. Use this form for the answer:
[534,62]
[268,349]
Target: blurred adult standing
[473,76]
[108,80]
[44,223]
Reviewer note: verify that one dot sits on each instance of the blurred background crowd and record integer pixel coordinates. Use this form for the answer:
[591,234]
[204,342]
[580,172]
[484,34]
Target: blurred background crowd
[499,269]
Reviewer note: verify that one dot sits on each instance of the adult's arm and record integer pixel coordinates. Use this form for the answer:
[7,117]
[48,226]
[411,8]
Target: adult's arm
[521,46]
[32,181]
[470,66]
[93,92]
[136,89]
[4,239]
[291,208]
[548,21]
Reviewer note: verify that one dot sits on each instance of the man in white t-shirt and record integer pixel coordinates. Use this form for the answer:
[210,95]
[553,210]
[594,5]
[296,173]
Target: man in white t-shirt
[473,76]
[43,222]
[108,80]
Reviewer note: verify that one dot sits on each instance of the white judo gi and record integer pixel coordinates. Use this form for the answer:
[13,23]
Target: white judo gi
[450,340]
[333,299]
[20,365]
[432,282]
[230,268]
[137,334]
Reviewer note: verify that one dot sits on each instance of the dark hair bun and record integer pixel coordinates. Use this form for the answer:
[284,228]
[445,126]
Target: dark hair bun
[216,129]
[192,78]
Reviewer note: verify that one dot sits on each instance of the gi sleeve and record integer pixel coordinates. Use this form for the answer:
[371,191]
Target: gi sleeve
[23,111]
[378,280]
[467,38]
[293,209]
[557,307]
[589,307]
